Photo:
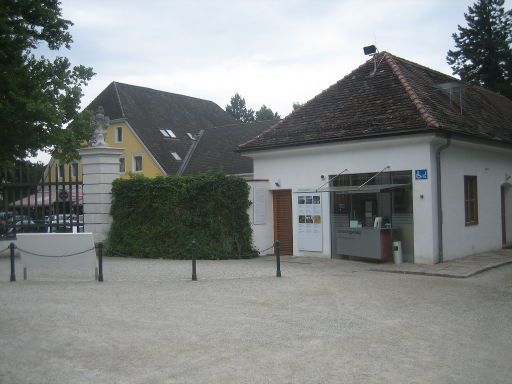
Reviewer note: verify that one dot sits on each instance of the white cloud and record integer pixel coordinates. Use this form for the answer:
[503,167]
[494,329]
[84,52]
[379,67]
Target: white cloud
[271,52]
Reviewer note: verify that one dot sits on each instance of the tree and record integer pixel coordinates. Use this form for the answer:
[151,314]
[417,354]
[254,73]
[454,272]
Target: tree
[238,109]
[484,54]
[296,105]
[266,113]
[38,96]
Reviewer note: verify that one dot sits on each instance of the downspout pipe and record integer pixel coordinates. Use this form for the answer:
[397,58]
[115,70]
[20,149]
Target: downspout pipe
[439,198]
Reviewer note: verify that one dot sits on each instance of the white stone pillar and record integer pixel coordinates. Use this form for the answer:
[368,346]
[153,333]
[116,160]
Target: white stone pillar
[100,169]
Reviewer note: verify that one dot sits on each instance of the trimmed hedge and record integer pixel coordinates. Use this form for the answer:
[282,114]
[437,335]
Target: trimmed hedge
[159,217]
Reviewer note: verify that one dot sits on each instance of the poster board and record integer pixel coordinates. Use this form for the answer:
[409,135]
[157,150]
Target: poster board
[259,205]
[309,221]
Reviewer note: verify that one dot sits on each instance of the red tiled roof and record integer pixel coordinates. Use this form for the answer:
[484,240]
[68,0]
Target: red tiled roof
[402,97]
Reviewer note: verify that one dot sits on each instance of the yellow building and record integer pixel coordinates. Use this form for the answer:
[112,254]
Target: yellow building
[157,130]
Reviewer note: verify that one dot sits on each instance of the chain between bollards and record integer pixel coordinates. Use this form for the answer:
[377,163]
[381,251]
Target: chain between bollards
[13,271]
[194,258]
[277,251]
[100,262]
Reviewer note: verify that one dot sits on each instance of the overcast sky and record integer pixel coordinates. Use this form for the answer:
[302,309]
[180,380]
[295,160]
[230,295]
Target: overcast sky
[271,52]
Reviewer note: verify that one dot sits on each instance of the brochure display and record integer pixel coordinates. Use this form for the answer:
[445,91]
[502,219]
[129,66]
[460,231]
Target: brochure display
[309,221]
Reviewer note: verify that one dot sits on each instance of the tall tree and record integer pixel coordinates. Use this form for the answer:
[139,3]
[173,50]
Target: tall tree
[38,96]
[238,109]
[296,105]
[265,113]
[483,53]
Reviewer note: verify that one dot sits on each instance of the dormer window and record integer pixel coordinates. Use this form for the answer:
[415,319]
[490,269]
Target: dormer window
[454,90]
[176,156]
[168,133]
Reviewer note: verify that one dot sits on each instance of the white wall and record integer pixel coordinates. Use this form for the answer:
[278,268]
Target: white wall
[100,169]
[490,165]
[300,168]
[56,249]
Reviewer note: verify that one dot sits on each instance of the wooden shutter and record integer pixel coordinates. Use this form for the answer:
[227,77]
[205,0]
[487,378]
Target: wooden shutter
[283,227]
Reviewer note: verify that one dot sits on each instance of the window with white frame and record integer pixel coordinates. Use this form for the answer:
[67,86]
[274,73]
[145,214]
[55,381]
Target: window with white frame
[122,165]
[176,156]
[137,162]
[119,134]
[168,133]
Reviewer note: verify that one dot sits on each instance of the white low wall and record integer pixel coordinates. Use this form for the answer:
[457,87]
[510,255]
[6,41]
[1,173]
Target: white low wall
[5,252]
[51,255]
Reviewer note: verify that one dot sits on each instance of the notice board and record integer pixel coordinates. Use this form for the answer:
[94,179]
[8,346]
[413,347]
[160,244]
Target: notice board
[259,205]
[309,221]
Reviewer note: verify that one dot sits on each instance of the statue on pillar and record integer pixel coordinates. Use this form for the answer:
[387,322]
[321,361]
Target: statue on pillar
[100,122]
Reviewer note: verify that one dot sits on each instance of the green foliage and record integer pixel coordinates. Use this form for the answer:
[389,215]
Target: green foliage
[484,48]
[161,216]
[21,171]
[238,109]
[266,113]
[296,105]
[38,96]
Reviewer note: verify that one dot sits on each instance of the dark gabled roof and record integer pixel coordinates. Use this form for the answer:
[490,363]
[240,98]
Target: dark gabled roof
[149,110]
[216,148]
[402,97]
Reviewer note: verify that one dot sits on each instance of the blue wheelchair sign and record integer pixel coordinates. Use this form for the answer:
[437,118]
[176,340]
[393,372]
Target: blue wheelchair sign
[421,174]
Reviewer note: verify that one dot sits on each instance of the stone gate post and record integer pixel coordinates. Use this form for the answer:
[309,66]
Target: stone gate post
[100,168]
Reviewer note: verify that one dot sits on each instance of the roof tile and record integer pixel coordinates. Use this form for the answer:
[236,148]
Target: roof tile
[402,97]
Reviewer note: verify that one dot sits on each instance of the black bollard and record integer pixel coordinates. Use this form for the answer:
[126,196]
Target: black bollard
[100,262]
[194,257]
[13,271]
[278,257]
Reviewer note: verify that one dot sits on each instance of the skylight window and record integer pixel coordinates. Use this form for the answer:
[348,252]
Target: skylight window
[168,133]
[191,136]
[176,156]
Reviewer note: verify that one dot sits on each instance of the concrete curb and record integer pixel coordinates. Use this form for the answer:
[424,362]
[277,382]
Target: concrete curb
[446,274]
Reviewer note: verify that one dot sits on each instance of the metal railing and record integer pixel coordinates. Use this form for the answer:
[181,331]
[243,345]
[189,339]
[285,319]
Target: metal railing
[100,248]
[40,200]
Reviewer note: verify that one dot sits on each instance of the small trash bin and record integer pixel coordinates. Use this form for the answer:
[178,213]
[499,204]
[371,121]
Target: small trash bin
[397,252]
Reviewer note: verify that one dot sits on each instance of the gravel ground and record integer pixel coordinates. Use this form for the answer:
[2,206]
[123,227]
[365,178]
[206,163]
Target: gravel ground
[324,321]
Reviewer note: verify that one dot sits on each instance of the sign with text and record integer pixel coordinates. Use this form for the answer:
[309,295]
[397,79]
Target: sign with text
[309,221]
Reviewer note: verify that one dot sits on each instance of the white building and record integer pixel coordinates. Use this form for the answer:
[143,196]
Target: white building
[365,163]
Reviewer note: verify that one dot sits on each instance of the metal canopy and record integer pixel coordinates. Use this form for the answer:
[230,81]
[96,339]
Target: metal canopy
[365,189]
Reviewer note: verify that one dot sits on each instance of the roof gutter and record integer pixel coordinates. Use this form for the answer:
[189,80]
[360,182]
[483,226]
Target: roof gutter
[335,140]
[439,198]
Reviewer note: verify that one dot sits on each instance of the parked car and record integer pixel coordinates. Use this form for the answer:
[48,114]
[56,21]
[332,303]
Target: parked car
[25,225]
[63,222]
[20,226]
[5,218]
